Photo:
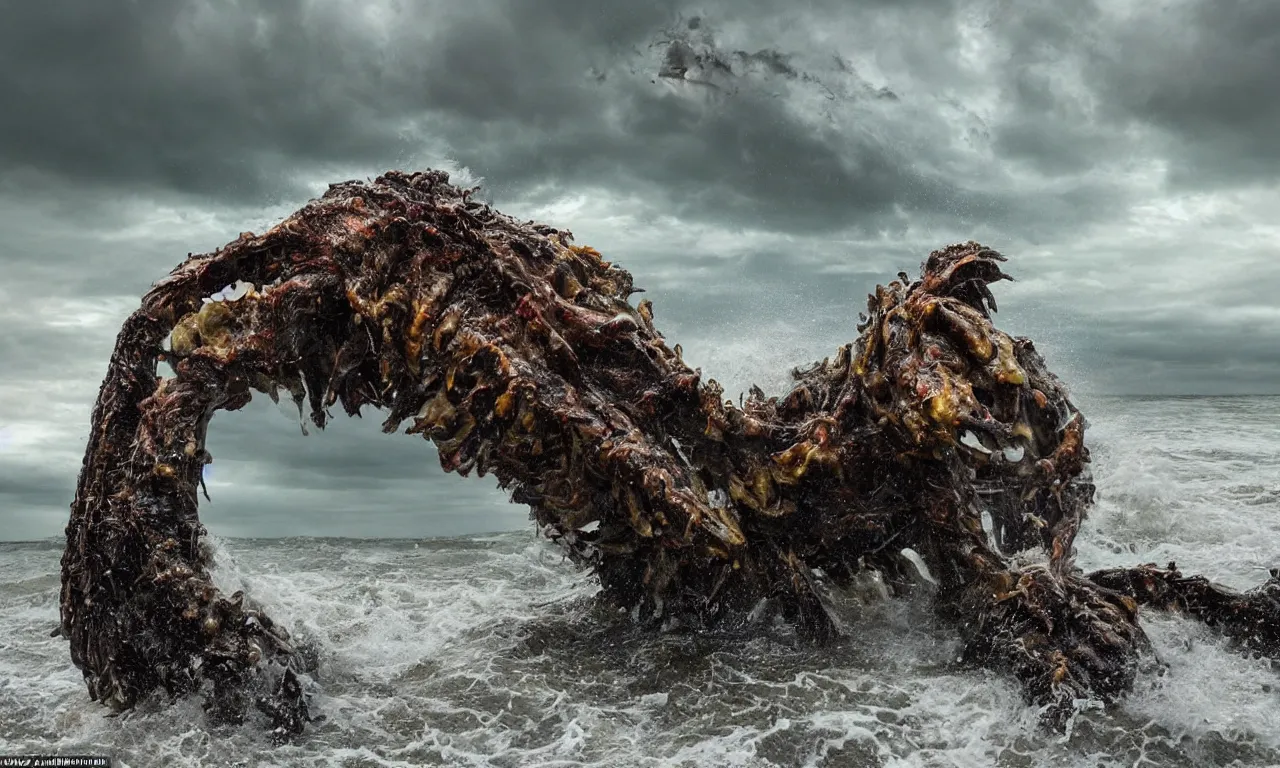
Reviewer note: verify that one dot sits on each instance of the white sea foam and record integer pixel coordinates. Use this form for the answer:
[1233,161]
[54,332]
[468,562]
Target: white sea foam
[487,651]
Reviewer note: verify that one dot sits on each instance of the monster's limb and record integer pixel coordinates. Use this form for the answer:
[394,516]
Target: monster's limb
[1062,636]
[137,601]
[982,426]
[1250,618]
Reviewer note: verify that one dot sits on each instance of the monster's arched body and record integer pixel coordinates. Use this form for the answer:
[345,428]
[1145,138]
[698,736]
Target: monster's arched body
[519,354]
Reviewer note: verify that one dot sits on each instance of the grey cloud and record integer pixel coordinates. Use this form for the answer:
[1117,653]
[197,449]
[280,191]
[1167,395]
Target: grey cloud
[268,479]
[1204,75]
[32,485]
[207,100]
[210,99]
[792,157]
[1143,357]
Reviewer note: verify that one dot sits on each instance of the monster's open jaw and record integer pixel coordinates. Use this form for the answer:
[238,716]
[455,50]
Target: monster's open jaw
[990,439]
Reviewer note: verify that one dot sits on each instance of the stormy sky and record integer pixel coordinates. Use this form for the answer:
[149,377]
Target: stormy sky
[758,166]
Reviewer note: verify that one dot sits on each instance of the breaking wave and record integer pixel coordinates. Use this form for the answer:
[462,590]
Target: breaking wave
[489,651]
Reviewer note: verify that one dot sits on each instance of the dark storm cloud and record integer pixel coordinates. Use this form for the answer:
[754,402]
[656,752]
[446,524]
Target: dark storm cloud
[1205,75]
[758,166]
[231,104]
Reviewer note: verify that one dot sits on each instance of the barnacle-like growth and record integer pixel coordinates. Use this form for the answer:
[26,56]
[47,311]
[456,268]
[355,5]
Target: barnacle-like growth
[519,354]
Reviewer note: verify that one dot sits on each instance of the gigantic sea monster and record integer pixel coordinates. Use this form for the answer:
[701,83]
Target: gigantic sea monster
[519,354]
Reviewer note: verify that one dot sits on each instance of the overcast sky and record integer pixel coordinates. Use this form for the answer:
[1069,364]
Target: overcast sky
[758,166]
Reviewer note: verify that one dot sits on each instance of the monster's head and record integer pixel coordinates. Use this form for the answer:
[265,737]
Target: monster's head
[966,392]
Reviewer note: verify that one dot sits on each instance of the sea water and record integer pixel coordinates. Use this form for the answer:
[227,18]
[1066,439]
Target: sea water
[489,651]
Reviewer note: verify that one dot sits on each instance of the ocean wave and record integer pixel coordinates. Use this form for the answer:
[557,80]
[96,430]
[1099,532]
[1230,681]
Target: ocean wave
[490,651]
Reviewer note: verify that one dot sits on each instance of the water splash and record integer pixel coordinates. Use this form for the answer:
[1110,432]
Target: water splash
[488,651]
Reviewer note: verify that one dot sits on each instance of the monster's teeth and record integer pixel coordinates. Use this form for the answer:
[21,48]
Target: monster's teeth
[971,440]
[913,557]
[237,291]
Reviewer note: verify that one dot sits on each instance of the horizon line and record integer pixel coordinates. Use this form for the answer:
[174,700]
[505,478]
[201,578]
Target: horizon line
[59,539]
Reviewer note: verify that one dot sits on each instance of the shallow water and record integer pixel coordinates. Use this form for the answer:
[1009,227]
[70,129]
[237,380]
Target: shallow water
[488,650]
